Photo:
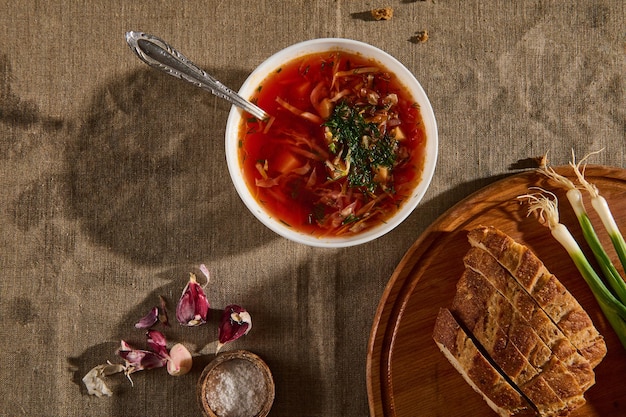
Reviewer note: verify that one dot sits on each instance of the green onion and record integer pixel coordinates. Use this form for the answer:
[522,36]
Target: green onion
[575,198]
[601,206]
[548,213]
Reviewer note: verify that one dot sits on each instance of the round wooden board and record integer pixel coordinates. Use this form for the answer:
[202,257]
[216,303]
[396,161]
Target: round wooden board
[407,375]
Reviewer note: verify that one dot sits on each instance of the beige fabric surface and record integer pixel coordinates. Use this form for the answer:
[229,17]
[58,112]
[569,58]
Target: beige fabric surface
[113,181]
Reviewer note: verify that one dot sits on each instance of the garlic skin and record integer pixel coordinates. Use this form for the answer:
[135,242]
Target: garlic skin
[193,306]
[157,342]
[177,360]
[162,314]
[94,380]
[180,360]
[236,322]
[149,319]
[139,359]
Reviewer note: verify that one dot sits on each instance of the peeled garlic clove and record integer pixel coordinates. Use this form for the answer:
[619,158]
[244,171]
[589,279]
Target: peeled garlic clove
[180,360]
[236,322]
[193,306]
[149,319]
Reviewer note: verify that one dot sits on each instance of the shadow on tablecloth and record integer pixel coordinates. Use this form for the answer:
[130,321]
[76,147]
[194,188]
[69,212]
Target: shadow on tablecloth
[148,175]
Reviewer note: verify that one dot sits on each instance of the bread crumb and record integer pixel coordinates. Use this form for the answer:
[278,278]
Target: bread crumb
[420,37]
[383,13]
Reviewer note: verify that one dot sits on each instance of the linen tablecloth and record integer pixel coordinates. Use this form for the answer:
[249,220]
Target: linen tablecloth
[114,186]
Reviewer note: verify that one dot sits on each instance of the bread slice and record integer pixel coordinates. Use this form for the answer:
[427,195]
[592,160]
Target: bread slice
[539,393]
[471,307]
[562,308]
[484,264]
[480,307]
[476,296]
[476,369]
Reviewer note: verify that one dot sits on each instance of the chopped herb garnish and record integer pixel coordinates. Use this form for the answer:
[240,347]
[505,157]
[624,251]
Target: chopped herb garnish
[351,219]
[364,151]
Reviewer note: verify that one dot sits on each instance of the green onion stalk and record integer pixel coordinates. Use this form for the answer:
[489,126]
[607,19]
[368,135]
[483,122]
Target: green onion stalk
[546,209]
[575,198]
[601,207]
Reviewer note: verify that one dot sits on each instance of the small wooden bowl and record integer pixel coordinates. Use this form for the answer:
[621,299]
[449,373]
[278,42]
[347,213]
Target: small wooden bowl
[242,368]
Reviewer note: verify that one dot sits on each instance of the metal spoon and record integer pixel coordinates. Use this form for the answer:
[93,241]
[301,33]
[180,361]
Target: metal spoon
[158,54]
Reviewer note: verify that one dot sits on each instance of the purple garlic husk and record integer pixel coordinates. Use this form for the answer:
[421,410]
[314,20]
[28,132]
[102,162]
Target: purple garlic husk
[162,315]
[178,360]
[193,306]
[157,342]
[235,322]
[139,359]
[149,319]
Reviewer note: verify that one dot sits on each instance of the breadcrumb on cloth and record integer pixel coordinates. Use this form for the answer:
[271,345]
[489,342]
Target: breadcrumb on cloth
[383,13]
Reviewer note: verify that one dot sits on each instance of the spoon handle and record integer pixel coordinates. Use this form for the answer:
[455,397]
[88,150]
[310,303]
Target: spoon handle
[158,54]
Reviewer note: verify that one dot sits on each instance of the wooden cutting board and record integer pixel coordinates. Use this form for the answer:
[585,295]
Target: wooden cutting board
[406,373]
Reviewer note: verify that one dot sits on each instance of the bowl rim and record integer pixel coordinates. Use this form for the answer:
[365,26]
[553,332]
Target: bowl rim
[406,78]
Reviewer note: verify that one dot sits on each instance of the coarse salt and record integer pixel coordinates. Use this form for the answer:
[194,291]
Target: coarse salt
[239,389]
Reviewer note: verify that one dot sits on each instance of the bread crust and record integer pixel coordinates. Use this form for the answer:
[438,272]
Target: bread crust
[484,264]
[479,306]
[558,303]
[476,369]
[472,306]
[515,333]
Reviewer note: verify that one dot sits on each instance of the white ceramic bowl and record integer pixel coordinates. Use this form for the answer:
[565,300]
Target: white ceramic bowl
[315,46]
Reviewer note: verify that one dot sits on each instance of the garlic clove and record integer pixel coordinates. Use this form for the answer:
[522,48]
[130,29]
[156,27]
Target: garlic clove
[193,306]
[149,319]
[180,360]
[236,322]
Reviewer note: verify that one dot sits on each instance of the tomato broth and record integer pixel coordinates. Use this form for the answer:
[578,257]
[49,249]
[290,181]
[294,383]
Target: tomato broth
[303,164]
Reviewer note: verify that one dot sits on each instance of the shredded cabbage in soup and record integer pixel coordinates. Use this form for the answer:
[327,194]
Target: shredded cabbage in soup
[342,150]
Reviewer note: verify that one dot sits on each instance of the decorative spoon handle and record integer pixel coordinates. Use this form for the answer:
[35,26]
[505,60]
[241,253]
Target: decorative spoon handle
[158,54]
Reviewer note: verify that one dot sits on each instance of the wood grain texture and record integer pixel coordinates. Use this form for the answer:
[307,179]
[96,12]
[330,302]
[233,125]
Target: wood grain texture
[406,373]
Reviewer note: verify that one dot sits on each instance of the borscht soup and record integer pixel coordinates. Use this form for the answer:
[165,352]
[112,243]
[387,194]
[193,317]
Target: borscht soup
[343,149]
